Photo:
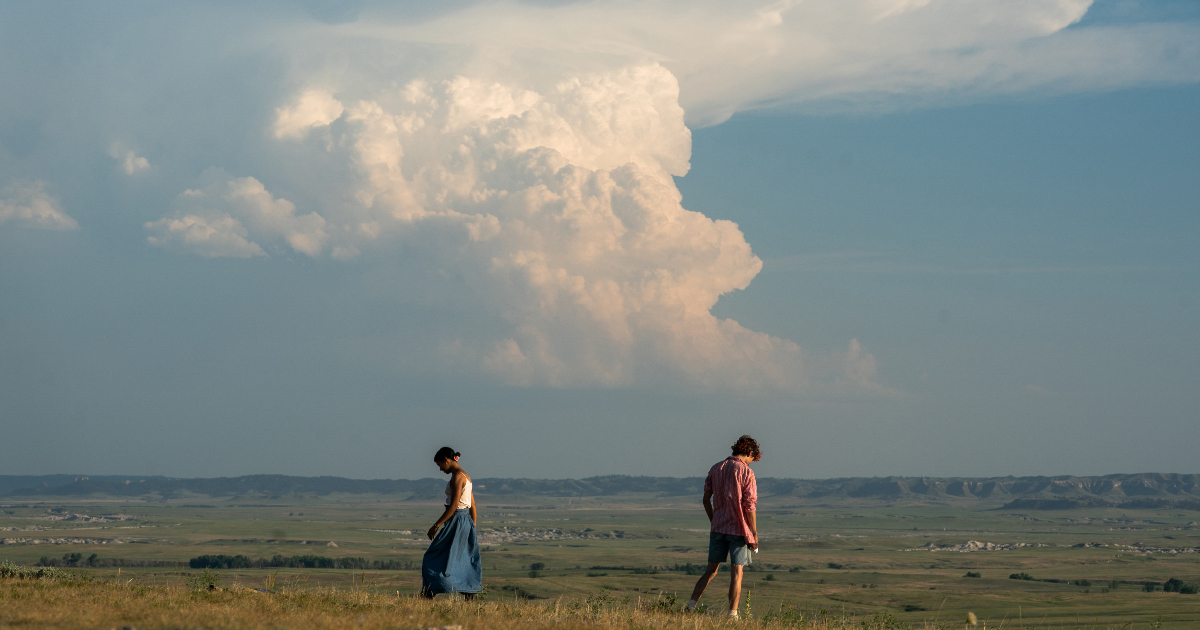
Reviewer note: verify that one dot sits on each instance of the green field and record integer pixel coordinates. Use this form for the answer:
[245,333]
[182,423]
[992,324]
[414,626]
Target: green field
[842,556]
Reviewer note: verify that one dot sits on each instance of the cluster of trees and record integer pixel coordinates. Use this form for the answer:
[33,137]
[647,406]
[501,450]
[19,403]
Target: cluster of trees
[94,560]
[69,560]
[1173,585]
[298,562]
[1176,585]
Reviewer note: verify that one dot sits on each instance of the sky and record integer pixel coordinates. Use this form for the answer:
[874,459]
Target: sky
[884,237]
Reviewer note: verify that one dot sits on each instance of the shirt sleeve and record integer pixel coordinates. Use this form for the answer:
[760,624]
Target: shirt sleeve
[749,491]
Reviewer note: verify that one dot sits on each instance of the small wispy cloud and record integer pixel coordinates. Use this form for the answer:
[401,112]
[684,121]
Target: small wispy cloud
[314,108]
[1040,392]
[26,203]
[129,160]
[218,220]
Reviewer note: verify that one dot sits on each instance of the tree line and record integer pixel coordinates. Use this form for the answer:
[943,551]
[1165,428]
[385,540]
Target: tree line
[222,561]
[94,560]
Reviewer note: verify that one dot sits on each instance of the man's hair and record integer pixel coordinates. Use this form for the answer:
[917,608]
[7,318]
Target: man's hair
[747,446]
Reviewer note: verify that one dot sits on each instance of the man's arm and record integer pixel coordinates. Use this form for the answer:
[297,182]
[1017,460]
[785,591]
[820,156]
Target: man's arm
[708,508]
[749,501]
[752,523]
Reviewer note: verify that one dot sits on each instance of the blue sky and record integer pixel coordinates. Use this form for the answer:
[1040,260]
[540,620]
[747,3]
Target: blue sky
[248,238]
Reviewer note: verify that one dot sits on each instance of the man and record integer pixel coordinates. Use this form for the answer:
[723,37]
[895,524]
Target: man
[730,493]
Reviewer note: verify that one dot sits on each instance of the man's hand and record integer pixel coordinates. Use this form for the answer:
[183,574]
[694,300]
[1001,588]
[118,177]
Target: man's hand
[754,545]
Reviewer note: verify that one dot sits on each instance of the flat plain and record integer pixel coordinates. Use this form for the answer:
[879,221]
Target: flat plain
[837,557]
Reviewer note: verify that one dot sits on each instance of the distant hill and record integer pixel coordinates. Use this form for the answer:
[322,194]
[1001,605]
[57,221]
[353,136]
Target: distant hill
[8,483]
[1064,492]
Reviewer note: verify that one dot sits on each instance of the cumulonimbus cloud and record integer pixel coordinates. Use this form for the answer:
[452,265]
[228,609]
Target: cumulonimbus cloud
[531,149]
[561,212]
[26,203]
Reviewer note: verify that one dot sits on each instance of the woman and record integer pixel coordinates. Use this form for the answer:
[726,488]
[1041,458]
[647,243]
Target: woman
[451,563]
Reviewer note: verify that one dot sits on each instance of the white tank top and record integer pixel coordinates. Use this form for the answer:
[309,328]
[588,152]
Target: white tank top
[465,501]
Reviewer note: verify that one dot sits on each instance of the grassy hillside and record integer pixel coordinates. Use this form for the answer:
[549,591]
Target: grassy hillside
[918,560]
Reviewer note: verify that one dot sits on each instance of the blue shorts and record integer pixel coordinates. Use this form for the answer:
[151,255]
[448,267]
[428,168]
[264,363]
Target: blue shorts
[722,546]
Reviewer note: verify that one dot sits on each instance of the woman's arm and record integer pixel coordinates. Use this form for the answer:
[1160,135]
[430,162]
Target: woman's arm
[474,514]
[457,484]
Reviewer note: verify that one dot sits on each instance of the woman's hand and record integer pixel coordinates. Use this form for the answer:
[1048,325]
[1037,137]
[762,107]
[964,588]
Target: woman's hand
[432,531]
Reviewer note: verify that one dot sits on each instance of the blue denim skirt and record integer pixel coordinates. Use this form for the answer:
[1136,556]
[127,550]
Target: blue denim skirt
[451,563]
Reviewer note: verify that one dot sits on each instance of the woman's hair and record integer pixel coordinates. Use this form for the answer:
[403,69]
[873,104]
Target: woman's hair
[447,453]
[746,446]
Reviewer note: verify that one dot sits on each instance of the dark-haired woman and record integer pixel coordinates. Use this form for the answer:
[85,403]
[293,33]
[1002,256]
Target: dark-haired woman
[451,563]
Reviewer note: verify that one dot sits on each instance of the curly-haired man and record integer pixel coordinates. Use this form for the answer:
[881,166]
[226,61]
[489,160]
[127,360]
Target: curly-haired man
[730,493]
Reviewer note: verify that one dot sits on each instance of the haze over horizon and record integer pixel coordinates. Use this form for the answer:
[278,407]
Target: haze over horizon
[885,237]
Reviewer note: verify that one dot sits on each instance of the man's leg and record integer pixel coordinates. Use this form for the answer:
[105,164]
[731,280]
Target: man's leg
[703,582]
[739,557]
[718,551]
[735,586]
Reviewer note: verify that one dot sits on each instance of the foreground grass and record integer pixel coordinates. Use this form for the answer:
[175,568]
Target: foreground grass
[66,601]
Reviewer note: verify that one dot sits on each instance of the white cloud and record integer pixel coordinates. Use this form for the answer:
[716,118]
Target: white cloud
[214,236]
[559,210]
[221,217]
[529,150]
[27,203]
[130,161]
[831,54]
[314,108]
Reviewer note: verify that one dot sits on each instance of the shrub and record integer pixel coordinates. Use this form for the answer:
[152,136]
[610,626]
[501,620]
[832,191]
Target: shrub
[10,570]
[974,574]
[207,581]
[1114,585]
[1082,583]
[1021,576]
[770,577]
[538,566]
[1148,587]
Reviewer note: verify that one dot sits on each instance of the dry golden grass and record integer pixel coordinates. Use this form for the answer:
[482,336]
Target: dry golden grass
[97,604]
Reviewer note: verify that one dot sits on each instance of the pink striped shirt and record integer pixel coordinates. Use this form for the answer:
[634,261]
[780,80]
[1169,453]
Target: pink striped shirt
[735,492]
